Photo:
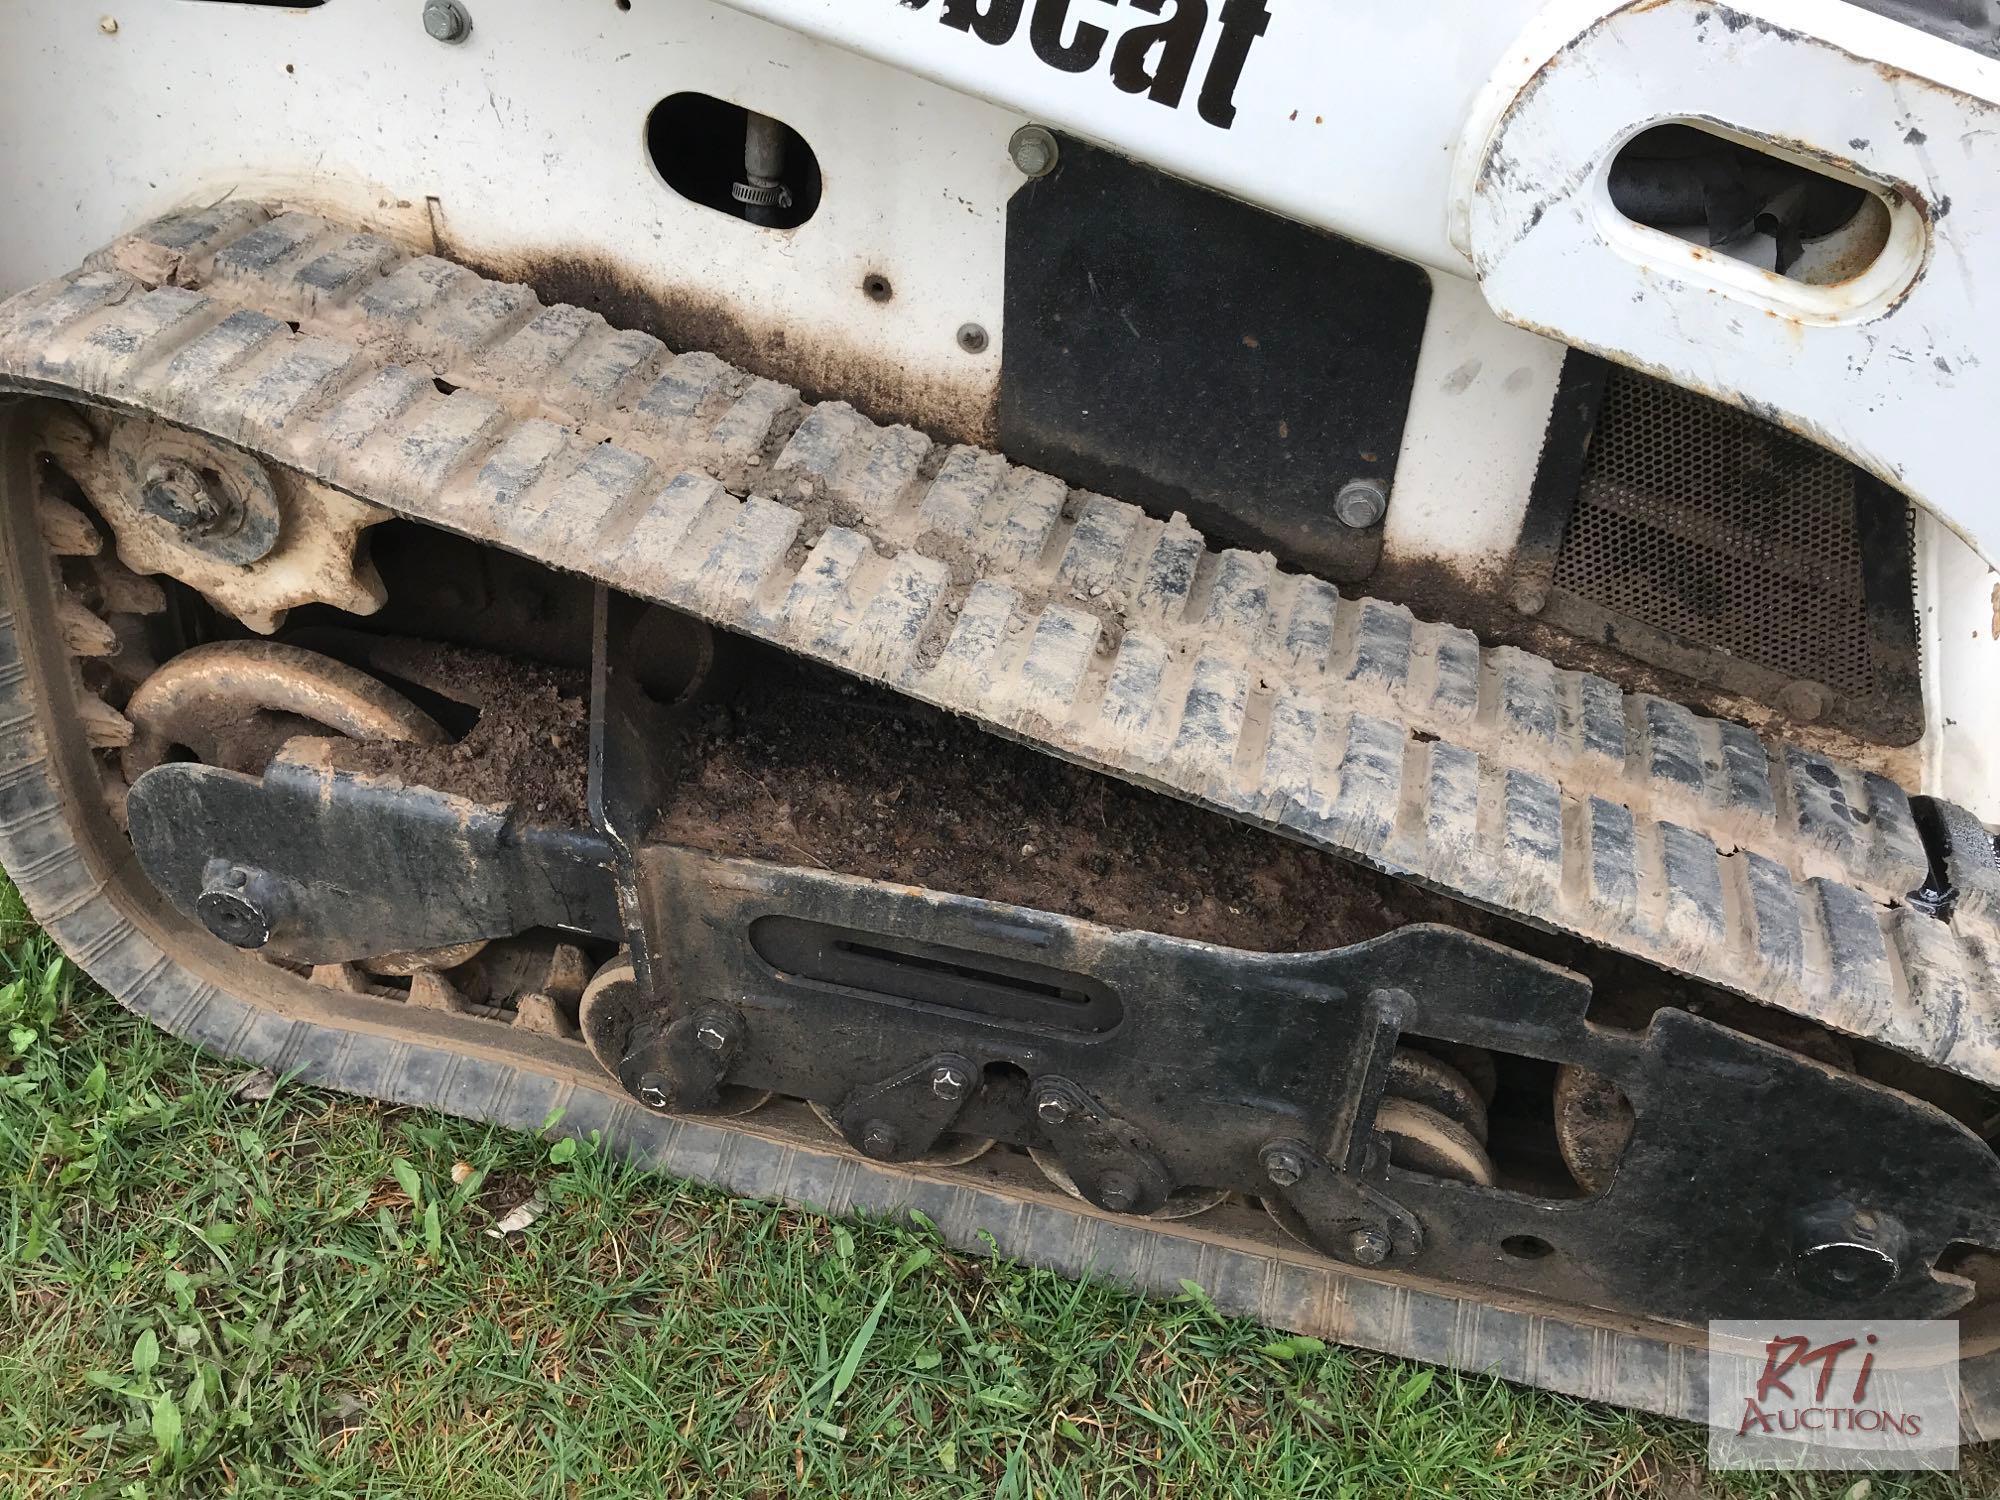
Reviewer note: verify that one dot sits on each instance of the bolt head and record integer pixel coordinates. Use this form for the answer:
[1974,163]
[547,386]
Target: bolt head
[1369,1247]
[1529,598]
[948,1083]
[1052,1108]
[240,907]
[1804,700]
[1284,1166]
[880,1139]
[447,21]
[234,918]
[1117,1191]
[972,338]
[653,1091]
[712,1035]
[182,498]
[1361,503]
[1034,151]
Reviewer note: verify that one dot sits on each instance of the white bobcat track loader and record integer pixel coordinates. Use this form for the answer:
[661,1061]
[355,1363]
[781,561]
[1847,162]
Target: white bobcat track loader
[1342,651]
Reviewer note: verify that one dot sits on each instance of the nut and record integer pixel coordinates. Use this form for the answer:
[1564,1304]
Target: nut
[1283,1166]
[948,1083]
[187,500]
[1034,151]
[1051,1108]
[1804,700]
[1361,503]
[1369,1247]
[1117,1191]
[243,907]
[1529,598]
[653,1091]
[880,1139]
[447,20]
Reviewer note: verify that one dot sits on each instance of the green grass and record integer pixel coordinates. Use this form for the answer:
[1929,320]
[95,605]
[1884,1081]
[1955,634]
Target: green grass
[203,1296]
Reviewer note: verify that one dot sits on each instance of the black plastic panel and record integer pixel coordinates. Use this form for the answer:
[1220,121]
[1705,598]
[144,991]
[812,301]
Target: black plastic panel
[1188,352]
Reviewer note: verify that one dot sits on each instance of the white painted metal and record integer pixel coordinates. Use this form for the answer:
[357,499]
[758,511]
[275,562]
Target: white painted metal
[1958,598]
[1347,115]
[1893,368]
[1466,464]
[1382,122]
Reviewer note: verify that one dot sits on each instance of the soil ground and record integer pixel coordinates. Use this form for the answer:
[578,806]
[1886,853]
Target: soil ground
[810,769]
[529,745]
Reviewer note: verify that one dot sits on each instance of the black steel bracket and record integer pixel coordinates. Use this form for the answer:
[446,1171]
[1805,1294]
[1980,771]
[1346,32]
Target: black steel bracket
[323,866]
[904,1118]
[680,1063]
[1340,1211]
[1110,1160]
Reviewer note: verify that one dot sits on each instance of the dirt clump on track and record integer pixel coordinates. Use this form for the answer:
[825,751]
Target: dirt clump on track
[809,769]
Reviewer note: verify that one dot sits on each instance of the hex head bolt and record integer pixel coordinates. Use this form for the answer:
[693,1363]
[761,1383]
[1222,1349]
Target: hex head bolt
[653,1091]
[1283,1166]
[1361,504]
[1369,1247]
[241,906]
[1034,151]
[447,20]
[185,500]
[1117,1191]
[880,1139]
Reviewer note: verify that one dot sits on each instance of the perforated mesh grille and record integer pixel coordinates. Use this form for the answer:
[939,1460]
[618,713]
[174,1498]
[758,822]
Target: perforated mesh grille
[1701,521]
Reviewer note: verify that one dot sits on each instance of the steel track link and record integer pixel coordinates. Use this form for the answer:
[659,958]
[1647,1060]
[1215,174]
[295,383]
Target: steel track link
[1062,618]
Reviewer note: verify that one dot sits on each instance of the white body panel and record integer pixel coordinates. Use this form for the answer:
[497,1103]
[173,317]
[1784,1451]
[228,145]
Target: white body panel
[1958,599]
[1463,474]
[1892,368]
[523,148]
[1347,116]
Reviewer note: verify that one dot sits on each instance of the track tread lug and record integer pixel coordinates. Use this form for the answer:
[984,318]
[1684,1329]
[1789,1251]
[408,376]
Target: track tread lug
[1167,578]
[1310,624]
[1059,654]
[1094,560]
[1132,719]
[1972,865]
[1239,602]
[1614,858]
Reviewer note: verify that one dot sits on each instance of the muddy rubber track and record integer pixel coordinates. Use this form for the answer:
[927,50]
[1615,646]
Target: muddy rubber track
[1063,618]
[83,886]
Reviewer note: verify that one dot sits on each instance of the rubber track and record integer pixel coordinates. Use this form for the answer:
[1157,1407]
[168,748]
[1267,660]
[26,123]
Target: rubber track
[1063,618]
[486,1071]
